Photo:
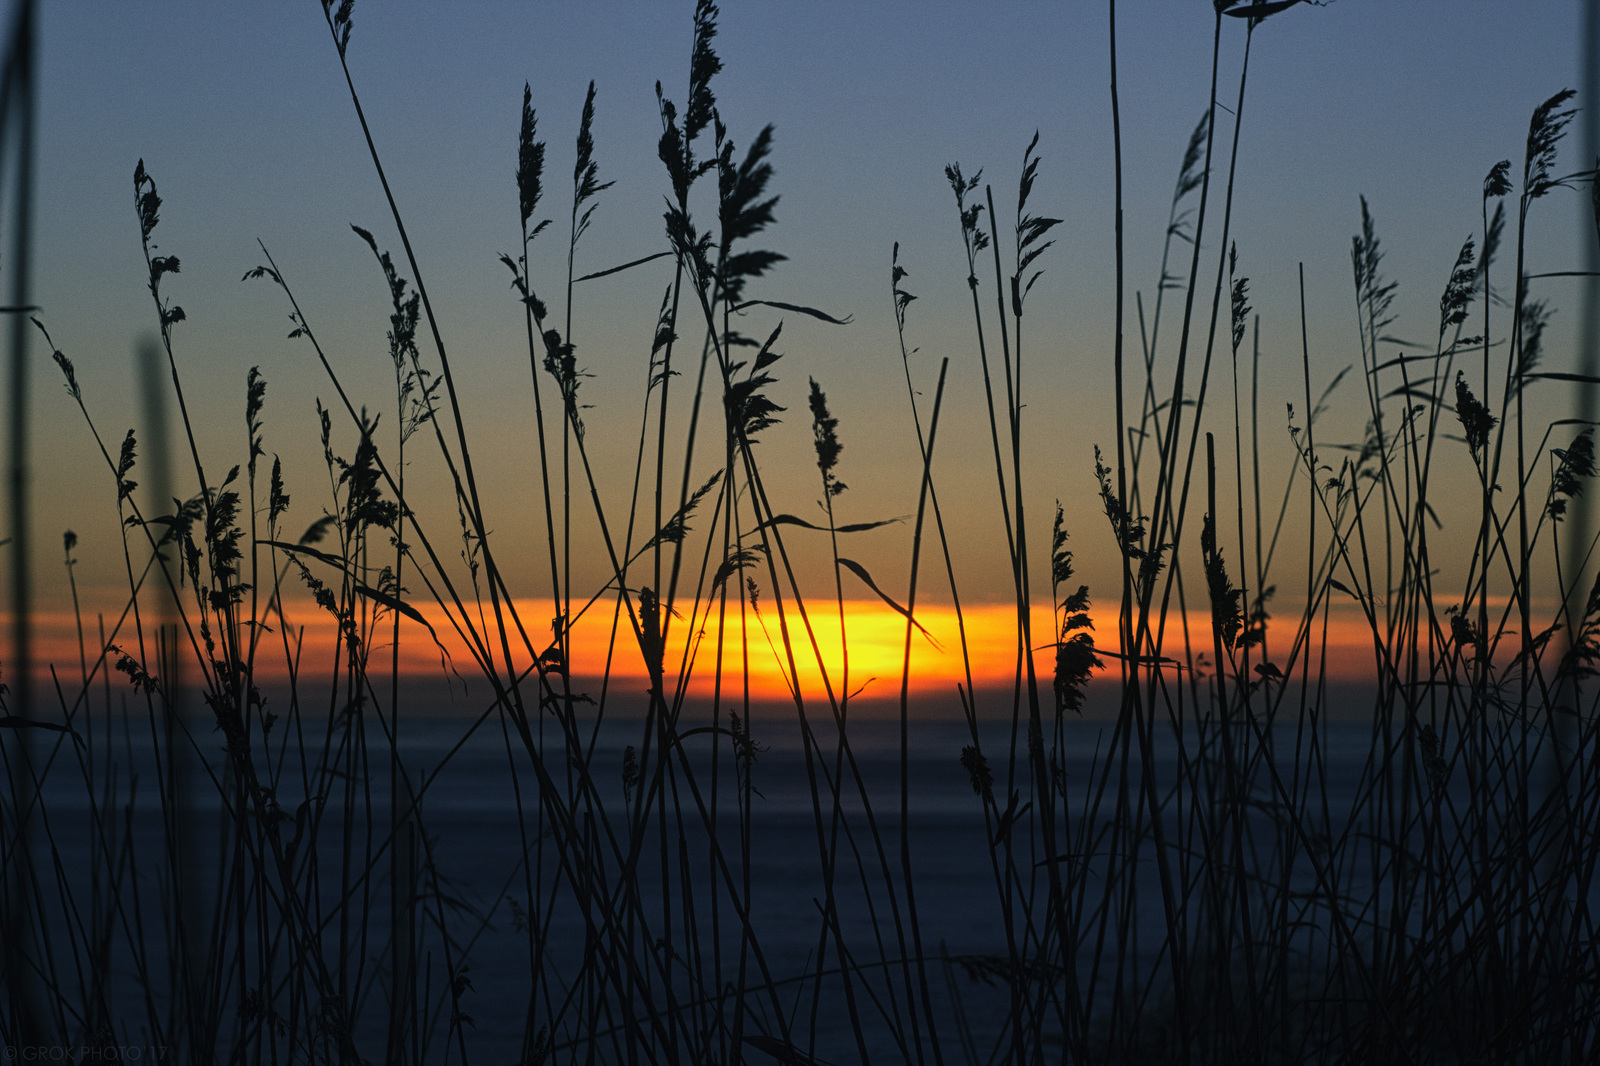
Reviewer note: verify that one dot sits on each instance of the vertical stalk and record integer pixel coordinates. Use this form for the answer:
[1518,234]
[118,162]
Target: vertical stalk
[18,932]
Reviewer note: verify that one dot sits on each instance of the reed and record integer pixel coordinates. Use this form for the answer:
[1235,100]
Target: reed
[266,879]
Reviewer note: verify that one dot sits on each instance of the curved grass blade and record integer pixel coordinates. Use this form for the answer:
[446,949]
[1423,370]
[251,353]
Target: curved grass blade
[625,266]
[861,572]
[797,308]
[795,520]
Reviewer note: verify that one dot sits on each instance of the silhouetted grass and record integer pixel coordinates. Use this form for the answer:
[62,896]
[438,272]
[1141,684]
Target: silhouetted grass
[1207,890]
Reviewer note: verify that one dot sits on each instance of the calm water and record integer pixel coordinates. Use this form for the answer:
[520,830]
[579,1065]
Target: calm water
[470,815]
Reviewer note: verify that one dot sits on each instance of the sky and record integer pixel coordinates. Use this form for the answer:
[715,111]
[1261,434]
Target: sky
[241,116]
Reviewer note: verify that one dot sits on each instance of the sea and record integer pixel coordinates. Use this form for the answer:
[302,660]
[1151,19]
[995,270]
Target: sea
[483,850]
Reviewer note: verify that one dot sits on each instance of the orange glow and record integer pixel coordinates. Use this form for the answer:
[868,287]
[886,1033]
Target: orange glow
[876,638]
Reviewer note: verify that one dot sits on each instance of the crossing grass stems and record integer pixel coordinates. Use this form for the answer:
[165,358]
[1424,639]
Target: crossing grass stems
[1439,915]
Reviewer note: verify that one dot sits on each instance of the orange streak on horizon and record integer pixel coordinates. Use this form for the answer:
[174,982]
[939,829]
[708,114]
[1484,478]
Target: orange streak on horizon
[876,641]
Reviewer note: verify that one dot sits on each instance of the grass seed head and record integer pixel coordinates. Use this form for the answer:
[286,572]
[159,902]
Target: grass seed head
[1545,130]
[586,183]
[1574,466]
[1240,303]
[340,22]
[978,772]
[1474,415]
[1497,182]
[1226,610]
[530,163]
[824,430]
[1459,290]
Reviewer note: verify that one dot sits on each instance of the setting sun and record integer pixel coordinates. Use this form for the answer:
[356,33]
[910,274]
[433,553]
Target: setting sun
[490,486]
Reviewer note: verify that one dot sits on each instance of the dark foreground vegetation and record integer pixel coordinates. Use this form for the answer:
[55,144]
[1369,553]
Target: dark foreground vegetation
[195,867]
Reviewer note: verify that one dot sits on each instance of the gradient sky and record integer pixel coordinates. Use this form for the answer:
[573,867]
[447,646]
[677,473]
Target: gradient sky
[241,115]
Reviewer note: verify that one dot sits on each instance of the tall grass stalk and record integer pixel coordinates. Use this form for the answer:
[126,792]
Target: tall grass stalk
[18,117]
[1215,879]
